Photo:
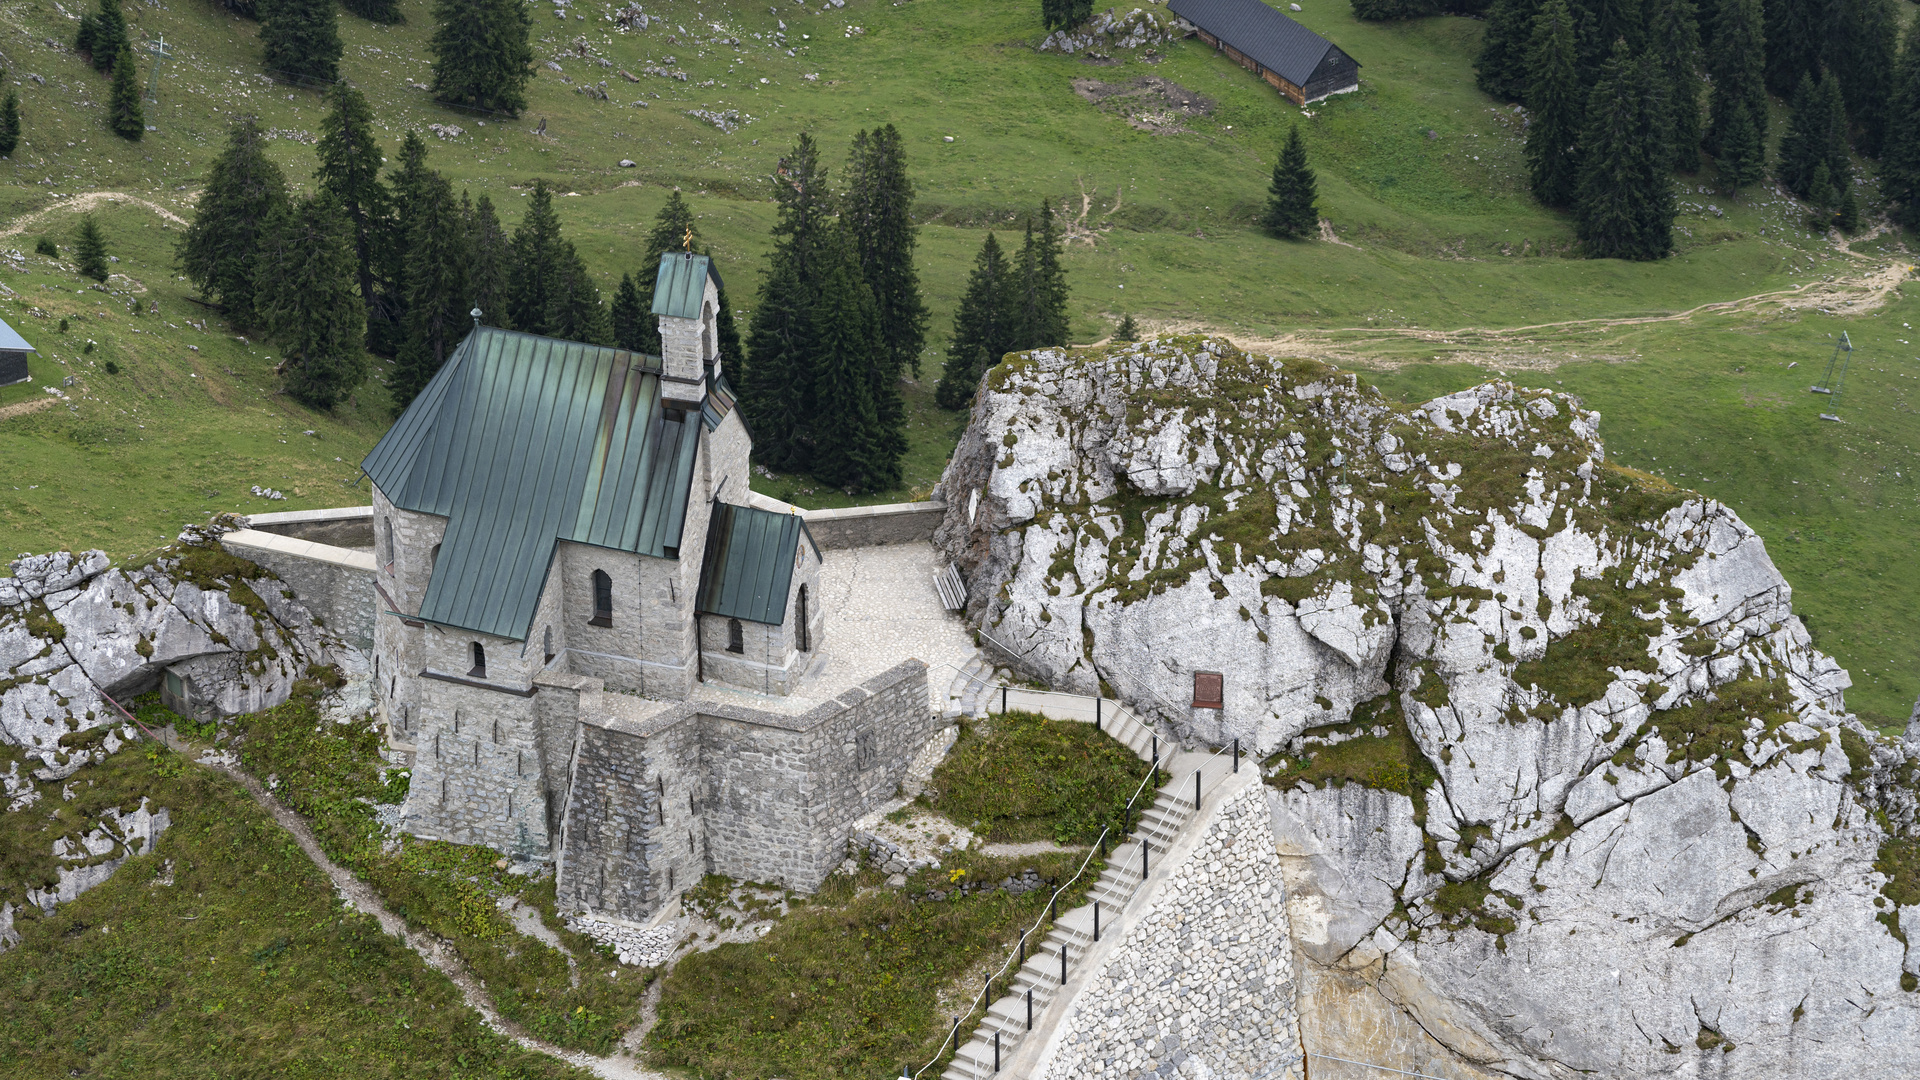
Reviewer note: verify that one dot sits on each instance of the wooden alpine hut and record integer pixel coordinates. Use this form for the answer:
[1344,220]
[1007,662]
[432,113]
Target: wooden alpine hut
[1298,62]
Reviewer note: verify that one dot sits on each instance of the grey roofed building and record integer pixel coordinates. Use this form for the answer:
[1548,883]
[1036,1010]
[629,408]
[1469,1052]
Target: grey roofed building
[1296,61]
[521,441]
[13,356]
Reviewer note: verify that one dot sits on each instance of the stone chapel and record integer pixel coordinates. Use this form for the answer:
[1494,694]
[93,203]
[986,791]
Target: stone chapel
[593,645]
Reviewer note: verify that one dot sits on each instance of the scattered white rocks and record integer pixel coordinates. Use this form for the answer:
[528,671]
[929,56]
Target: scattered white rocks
[634,946]
[266,493]
[1202,985]
[115,839]
[913,842]
[446,131]
[1136,29]
[728,121]
[626,163]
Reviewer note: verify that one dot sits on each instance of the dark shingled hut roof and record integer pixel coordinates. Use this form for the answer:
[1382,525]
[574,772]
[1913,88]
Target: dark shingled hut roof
[1272,40]
[521,441]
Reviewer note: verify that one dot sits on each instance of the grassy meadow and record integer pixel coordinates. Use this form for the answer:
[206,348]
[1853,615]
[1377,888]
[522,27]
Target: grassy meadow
[1421,178]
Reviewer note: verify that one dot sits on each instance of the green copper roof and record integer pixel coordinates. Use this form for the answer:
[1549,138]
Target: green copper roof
[520,441]
[749,564]
[681,283]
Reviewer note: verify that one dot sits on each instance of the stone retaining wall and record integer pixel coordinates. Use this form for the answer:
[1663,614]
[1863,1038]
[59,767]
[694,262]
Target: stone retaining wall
[1202,984]
[334,583]
[863,526]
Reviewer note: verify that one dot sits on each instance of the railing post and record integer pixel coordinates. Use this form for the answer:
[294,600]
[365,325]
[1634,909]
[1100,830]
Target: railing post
[1029,1008]
[996,1051]
[1236,756]
[956,1035]
[1098,704]
[1196,789]
[1156,751]
[1096,920]
[1143,858]
[1003,701]
[1063,962]
[1023,948]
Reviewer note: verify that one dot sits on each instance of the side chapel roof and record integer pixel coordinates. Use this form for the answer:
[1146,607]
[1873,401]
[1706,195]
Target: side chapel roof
[749,565]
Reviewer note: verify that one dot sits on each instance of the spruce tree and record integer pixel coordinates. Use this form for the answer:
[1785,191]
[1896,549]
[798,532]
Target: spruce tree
[10,123]
[1555,98]
[1040,285]
[627,314]
[878,208]
[1128,330]
[1290,212]
[482,53]
[574,310]
[83,38]
[537,264]
[776,387]
[726,332]
[221,248]
[490,254]
[108,35]
[1501,67]
[437,301]
[777,384]
[1674,44]
[90,249]
[983,327]
[406,185]
[124,116]
[1795,35]
[1900,155]
[349,171]
[310,301]
[1625,207]
[379,11]
[300,38]
[1737,129]
[1847,217]
[1742,161]
[1860,50]
[1816,140]
[849,438]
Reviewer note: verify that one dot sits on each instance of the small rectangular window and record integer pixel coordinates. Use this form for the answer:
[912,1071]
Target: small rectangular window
[1209,689]
[736,636]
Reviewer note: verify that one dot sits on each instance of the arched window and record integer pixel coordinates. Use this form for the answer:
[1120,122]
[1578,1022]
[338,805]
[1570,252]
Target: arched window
[706,333]
[385,544]
[802,640]
[479,663]
[433,559]
[736,636]
[549,645]
[602,599]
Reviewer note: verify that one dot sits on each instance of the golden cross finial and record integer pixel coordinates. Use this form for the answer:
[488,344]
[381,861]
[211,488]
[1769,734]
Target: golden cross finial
[688,239]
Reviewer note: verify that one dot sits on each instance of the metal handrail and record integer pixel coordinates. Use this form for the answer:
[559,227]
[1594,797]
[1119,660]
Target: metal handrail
[981,998]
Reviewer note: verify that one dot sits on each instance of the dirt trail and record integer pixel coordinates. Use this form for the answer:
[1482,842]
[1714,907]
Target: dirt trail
[22,408]
[1853,295]
[81,204]
[438,955]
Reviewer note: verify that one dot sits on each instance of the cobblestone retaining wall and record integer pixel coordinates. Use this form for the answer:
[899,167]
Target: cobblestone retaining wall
[334,583]
[1202,984]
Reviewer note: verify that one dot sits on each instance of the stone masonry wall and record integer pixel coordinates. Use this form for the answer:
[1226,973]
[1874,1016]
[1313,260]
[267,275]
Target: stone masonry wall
[632,836]
[476,769]
[1202,984]
[334,583]
[787,790]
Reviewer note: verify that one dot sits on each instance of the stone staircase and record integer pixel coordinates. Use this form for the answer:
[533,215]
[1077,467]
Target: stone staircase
[1026,995]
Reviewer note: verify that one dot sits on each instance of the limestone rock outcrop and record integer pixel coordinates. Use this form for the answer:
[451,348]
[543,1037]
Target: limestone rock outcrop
[1555,772]
[75,630]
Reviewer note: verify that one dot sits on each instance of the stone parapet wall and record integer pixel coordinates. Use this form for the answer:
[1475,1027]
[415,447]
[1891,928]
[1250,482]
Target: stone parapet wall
[477,776]
[334,583]
[1202,983]
[340,526]
[863,526]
